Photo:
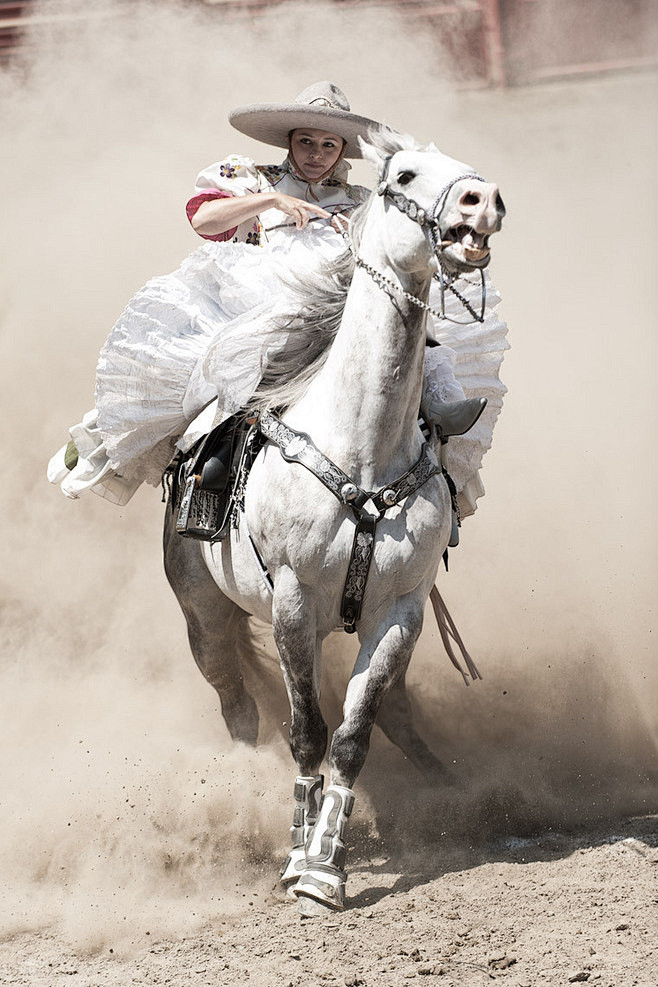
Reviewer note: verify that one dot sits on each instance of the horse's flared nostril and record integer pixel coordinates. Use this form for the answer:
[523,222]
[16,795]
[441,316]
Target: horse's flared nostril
[470,199]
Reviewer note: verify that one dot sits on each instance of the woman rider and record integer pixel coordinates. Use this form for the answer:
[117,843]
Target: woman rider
[259,223]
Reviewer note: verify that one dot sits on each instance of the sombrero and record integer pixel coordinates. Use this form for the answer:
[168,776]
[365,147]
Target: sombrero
[321,106]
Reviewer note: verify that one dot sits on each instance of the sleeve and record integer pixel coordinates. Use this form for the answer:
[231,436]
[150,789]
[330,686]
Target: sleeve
[235,175]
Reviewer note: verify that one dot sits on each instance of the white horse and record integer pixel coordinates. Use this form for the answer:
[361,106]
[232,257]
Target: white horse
[429,213]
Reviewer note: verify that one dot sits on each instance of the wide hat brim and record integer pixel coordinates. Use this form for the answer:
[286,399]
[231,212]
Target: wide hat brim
[272,122]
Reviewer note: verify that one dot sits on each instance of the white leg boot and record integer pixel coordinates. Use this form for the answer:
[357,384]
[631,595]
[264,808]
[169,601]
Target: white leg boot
[324,877]
[308,799]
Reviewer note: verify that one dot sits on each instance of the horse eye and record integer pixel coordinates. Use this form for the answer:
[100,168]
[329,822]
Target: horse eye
[405,177]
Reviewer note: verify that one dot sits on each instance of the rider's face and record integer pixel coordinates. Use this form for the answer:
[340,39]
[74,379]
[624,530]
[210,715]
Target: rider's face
[315,152]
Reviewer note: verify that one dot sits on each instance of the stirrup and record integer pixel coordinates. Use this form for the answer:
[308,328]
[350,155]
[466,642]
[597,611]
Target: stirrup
[201,492]
[453,417]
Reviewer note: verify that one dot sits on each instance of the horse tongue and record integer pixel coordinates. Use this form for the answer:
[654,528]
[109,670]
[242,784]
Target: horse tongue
[472,249]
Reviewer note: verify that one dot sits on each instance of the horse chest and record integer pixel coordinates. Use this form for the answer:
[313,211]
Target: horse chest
[308,531]
[408,545]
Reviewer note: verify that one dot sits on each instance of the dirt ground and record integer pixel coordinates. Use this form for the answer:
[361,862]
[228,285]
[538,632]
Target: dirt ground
[138,845]
[555,909]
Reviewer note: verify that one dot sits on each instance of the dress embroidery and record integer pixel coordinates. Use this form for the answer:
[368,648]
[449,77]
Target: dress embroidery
[272,171]
[228,170]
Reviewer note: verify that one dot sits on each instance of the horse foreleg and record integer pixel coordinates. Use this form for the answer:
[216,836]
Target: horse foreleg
[308,799]
[382,661]
[380,666]
[217,631]
[294,633]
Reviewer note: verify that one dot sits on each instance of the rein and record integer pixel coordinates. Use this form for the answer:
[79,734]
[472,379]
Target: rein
[385,284]
[298,447]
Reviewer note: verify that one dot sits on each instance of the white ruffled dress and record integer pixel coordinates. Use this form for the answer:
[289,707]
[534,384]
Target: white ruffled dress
[150,382]
[467,364]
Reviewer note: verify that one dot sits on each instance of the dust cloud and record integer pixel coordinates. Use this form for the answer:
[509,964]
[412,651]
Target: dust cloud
[127,812]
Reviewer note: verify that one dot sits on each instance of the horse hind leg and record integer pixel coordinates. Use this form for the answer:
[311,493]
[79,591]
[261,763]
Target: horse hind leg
[217,631]
[395,719]
[299,655]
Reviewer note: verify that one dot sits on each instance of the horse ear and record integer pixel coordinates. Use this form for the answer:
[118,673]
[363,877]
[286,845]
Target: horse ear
[371,154]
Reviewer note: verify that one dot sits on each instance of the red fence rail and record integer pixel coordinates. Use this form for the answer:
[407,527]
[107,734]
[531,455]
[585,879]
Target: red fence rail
[549,39]
[488,42]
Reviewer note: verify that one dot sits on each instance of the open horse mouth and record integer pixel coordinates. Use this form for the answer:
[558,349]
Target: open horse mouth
[465,247]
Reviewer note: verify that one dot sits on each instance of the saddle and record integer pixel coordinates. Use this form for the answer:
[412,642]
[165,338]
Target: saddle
[204,482]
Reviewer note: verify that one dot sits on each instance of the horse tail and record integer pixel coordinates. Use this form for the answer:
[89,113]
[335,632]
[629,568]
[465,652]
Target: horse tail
[262,677]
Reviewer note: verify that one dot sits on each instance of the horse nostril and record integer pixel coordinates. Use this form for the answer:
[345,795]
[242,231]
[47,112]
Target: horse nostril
[470,199]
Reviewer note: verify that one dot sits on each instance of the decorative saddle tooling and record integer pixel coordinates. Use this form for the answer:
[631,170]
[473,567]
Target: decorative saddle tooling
[203,482]
[207,487]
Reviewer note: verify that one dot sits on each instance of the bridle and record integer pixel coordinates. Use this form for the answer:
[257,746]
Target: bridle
[430,223]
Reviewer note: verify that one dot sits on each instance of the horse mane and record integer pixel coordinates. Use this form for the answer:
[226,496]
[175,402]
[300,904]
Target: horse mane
[318,302]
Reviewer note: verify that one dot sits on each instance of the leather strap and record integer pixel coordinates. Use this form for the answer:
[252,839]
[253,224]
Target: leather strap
[363,548]
[298,447]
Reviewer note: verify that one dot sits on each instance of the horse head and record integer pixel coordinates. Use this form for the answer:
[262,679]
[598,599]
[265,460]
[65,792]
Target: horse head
[454,211]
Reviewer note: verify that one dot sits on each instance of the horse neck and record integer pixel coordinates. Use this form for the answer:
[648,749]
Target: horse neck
[363,406]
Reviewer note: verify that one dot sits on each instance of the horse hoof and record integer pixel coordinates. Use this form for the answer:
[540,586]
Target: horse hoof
[326,888]
[293,866]
[312,908]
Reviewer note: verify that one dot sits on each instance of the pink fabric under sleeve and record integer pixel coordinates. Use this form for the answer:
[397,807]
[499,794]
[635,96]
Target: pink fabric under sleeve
[194,204]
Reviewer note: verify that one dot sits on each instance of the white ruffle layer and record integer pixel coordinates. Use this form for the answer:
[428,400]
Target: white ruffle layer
[477,350]
[150,380]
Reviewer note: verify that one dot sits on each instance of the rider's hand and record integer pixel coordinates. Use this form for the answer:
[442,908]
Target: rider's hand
[298,209]
[340,222]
